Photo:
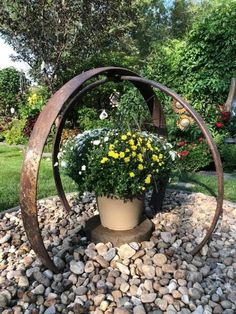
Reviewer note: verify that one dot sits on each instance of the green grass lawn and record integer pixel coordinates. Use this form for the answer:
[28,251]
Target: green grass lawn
[208,185]
[10,166]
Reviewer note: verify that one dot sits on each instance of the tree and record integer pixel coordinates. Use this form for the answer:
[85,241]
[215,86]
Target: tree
[12,87]
[56,37]
[201,66]
[180,17]
[151,24]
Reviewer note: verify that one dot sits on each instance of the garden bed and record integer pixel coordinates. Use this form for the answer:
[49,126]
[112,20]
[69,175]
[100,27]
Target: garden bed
[156,276]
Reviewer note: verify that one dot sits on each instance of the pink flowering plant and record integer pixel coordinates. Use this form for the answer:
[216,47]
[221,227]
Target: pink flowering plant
[113,162]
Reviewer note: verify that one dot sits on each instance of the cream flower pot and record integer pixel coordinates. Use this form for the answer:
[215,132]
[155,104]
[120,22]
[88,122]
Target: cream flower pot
[120,214]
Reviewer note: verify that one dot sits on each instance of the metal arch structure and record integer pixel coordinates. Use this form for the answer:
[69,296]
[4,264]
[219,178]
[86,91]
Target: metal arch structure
[59,104]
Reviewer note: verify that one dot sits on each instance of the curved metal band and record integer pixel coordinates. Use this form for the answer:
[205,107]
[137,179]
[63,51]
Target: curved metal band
[30,168]
[29,176]
[211,144]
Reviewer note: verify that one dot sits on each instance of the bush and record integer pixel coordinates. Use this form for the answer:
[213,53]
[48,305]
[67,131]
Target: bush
[193,157]
[4,125]
[12,87]
[15,133]
[228,155]
[36,99]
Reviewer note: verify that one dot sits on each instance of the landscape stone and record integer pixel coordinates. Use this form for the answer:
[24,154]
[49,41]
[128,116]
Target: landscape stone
[126,251]
[154,276]
[77,267]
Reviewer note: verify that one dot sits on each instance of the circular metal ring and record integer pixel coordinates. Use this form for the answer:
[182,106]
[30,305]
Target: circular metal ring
[29,176]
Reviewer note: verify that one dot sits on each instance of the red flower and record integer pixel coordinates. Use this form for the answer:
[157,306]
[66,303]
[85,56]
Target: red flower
[182,143]
[225,115]
[219,124]
[184,153]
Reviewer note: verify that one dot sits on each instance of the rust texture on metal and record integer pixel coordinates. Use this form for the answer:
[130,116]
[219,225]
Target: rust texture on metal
[59,105]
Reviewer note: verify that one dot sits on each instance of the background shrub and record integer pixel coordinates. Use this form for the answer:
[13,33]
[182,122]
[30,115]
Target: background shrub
[15,134]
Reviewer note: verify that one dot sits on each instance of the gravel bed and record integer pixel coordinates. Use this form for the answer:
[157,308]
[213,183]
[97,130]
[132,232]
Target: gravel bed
[156,276]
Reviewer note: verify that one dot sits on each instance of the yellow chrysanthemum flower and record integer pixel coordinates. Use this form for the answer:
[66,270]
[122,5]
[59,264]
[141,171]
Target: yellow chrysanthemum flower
[155,157]
[111,147]
[133,147]
[131,142]
[148,179]
[140,157]
[140,167]
[134,154]
[131,174]
[127,159]
[113,154]
[127,150]
[128,134]
[124,137]
[103,160]
[149,146]
[160,156]
[122,154]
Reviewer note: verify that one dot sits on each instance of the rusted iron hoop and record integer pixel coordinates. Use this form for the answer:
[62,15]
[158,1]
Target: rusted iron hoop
[211,144]
[31,163]
[28,187]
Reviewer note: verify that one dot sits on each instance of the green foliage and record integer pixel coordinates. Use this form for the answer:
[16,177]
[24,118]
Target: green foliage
[37,98]
[201,66]
[88,119]
[56,37]
[180,17]
[114,162]
[228,153]
[15,135]
[132,110]
[11,96]
[194,157]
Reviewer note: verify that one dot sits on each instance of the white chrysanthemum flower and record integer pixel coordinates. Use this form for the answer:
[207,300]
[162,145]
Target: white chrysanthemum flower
[83,168]
[56,164]
[106,138]
[96,142]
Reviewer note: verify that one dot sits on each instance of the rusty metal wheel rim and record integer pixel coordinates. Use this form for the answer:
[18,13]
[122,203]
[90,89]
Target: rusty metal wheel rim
[29,176]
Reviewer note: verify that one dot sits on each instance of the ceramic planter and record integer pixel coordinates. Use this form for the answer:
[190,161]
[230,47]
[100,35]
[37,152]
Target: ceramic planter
[119,214]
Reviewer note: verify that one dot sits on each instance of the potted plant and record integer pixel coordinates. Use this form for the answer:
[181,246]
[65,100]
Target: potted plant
[119,167]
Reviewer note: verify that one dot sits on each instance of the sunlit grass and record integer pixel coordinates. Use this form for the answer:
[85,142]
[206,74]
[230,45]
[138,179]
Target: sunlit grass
[10,167]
